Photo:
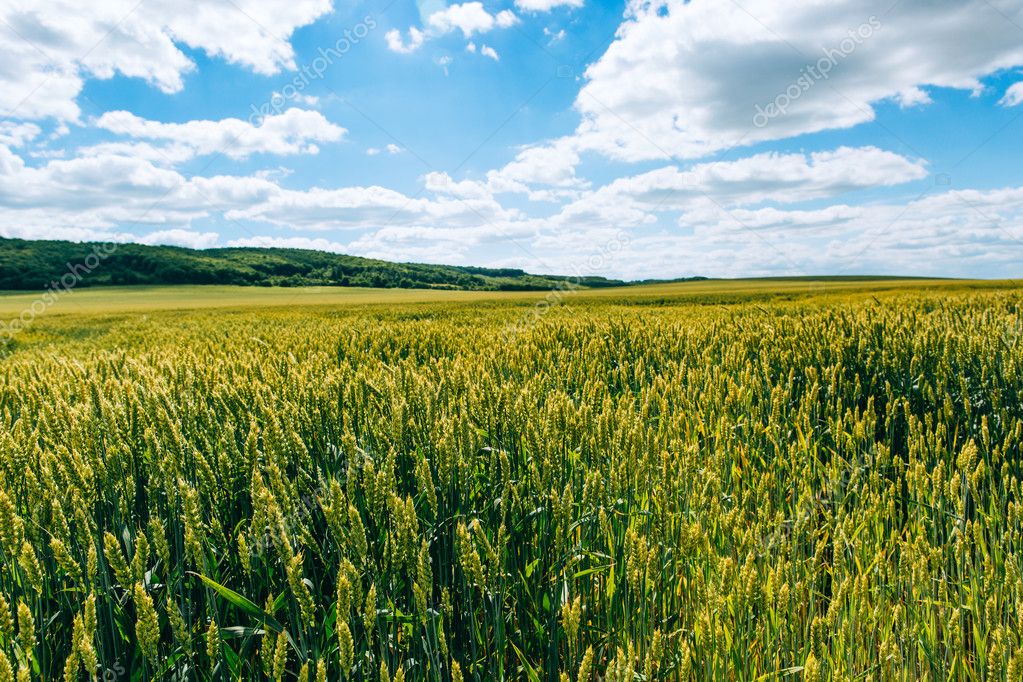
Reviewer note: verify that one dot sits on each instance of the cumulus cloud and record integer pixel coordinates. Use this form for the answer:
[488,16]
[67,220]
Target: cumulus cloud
[351,208]
[50,48]
[484,50]
[187,238]
[506,18]
[395,43]
[543,167]
[686,79]
[442,183]
[391,149]
[639,200]
[291,132]
[468,18]
[165,154]
[1013,96]
[714,198]
[953,233]
[104,193]
[771,176]
[543,173]
[110,192]
[16,134]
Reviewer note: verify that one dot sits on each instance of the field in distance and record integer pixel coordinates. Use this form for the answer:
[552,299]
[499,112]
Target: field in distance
[116,299]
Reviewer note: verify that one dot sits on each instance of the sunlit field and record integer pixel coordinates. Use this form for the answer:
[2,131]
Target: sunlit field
[144,299]
[751,480]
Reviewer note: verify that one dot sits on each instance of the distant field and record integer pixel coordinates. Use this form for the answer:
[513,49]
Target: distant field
[782,286]
[193,297]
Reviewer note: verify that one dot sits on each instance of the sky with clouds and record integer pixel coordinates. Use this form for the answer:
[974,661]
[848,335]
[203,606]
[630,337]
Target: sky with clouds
[631,139]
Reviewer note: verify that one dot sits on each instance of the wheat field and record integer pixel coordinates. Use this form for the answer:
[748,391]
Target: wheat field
[733,486]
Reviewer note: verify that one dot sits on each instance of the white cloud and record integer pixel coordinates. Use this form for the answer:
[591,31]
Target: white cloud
[1013,96]
[955,233]
[16,134]
[684,79]
[506,18]
[108,195]
[80,180]
[353,208]
[636,201]
[253,33]
[49,48]
[108,191]
[544,173]
[60,131]
[168,154]
[223,192]
[469,18]
[391,149]
[280,172]
[551,166]
[782,178]
[307,100]
[186,238]
[291,132]
[396,44]
[912,97]
[545,5]
[484,50]
[442,183]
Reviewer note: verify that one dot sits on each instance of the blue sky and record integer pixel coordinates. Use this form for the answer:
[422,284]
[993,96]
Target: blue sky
[629,139]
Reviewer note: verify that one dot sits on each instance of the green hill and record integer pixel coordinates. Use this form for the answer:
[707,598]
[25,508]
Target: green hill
[33,265]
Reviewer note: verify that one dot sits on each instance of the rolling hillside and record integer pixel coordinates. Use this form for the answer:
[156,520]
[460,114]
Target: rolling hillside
[33,265]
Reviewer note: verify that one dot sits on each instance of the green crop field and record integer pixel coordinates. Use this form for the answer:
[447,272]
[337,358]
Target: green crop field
[746,480]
